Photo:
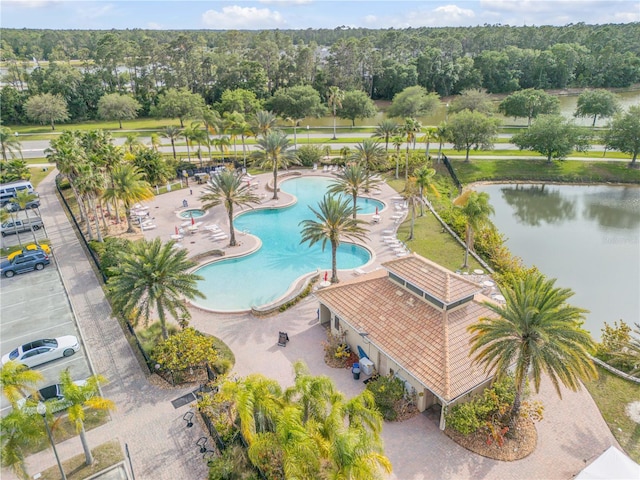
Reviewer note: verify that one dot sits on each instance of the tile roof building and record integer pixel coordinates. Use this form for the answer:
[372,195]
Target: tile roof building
[411,319]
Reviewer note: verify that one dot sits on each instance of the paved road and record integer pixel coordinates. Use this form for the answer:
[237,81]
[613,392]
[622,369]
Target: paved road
[36,148]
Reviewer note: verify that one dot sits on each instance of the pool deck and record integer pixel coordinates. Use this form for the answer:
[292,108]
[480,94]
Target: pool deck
[164,210]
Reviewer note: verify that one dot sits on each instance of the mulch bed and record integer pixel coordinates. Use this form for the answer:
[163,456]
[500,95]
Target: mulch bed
[516,446]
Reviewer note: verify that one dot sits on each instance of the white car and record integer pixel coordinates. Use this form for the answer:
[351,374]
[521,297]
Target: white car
[42,351]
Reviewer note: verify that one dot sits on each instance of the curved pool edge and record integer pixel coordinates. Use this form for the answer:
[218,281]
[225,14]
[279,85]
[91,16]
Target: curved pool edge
[295,288]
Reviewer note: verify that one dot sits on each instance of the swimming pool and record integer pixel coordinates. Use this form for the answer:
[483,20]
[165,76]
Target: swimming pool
[267,274]
[192,213]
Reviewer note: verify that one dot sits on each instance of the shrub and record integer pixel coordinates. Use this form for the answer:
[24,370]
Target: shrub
[388,391]
[309,154]
[233,464]
[187,348]
[109,252]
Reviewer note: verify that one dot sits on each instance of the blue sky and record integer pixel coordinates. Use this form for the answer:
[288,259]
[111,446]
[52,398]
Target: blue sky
[301,14]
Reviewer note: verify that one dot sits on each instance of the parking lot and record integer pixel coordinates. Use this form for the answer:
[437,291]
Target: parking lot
[34,305]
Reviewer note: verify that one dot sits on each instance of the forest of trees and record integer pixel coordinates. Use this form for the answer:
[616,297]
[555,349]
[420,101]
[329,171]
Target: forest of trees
[381,63]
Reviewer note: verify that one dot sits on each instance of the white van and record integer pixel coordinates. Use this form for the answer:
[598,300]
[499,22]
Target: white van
[8,191]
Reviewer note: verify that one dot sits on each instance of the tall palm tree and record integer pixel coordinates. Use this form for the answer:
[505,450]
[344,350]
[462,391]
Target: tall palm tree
[155,142]
[153,276]
[409,129]
[227,188]
[128,187]
[83,397]
[18,381]
[441,136]
[397,141]
[91,184]
[352,181]
[370,154]
[173,134]
[187,133]
[223,144]
[476,209]
[294,123]
[424,180]
[312,393]
[536,331]
[429,134]
[23,198]
[199,136]
[386,129]
[334,224]
[245,131]
[334,100]
[412,198]
[9,144]
[273,152]
[263,122]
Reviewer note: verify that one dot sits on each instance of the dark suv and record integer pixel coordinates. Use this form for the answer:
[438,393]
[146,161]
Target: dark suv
[25,262]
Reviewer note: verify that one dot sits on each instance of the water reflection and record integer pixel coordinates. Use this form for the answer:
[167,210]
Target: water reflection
[614,210]
[534,204]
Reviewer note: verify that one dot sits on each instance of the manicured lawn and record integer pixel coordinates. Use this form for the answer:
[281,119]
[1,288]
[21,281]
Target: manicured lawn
[38,174]
[104,456]
[572,171]
[612,394]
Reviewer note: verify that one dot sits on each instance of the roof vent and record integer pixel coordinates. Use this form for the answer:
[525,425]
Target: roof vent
[410,301]
[399,293]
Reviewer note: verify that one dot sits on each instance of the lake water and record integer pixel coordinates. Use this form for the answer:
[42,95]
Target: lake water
[587,237]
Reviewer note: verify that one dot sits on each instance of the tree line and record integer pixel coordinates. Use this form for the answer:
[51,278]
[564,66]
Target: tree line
[380,63]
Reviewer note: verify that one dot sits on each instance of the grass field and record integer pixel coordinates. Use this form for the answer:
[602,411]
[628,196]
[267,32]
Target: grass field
[104,456]
[612,394]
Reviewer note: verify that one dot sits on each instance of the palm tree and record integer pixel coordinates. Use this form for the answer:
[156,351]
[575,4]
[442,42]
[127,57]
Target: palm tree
[173,134]
[370,153]
[628,351]
[131,141]
[409,129]
[424,180]
[476,209]
[91,184]
[334,223]
[355,456]
[187,133]
[334,101]
[412,198]
[352,181]
[9,144]
[386,129]
[263,122]
[222,143]
[155,142]
[397,141]
[198,135]
[23,198]
[312,393]
[129,188]
[441,136]
[19,432]
[83,397]
[154,276]
[536,331]
[429,134]
[245,131]
[273,152]
[294,123]
[18,381]
[228,188]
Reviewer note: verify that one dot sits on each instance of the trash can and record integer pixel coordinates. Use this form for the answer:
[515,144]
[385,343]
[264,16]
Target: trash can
[356,371]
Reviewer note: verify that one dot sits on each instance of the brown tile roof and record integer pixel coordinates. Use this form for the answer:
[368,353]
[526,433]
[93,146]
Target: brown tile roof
[432,278]
[433,346]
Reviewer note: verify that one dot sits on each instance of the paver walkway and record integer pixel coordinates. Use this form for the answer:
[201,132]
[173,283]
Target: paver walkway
[572,434]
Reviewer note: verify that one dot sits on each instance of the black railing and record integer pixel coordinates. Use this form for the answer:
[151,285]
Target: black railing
[452,172]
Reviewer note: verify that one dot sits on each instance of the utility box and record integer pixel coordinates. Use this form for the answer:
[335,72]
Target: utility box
[366,366]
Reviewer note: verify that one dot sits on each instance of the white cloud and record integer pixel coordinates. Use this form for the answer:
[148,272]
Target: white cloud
[31,3]
[370,19]
[236,17]
[446,15]
[453,13]
[285,2]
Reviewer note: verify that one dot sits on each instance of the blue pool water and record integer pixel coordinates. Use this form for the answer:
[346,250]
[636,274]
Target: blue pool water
[266,275]
[192,212]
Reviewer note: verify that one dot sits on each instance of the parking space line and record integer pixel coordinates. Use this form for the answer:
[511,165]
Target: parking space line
[34,333]
[58,362]
[54,294]
[21,320]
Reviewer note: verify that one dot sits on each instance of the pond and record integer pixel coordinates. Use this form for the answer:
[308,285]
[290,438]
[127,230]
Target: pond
[587,237]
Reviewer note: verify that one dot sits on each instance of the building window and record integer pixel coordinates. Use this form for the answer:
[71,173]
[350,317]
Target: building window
[336,323]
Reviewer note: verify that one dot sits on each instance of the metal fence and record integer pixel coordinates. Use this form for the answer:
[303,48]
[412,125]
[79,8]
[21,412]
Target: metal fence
[452,172]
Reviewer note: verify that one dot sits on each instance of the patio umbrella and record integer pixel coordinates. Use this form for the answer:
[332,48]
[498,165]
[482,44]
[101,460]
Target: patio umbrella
[326,275]
[193,220]
[376,210]
[177,231]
